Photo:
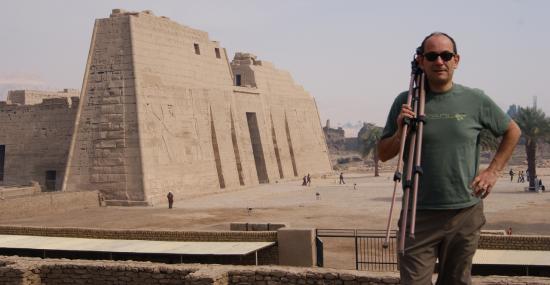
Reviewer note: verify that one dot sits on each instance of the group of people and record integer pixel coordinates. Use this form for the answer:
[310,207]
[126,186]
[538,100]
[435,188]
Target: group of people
[306,181]
[521,176]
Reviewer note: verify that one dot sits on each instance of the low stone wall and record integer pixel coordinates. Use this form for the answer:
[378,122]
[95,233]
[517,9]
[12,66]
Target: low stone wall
[269,255]
[10,192]
[141,234]
[256,226]
[285,275]
[35,271]
[514,242]
[49,202]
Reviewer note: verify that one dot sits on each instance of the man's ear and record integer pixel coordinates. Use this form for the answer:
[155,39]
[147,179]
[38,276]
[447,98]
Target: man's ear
[456,58]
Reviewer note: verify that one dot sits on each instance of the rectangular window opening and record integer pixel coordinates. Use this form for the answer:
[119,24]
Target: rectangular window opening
[238,80]
[197,49]
[51,176]
[217,50]
[2,159]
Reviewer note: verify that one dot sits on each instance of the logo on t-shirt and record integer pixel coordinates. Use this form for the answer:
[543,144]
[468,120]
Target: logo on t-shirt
[443,116]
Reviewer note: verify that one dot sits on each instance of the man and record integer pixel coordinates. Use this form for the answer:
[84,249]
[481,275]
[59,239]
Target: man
[450,209]
[511,175]
[342,178]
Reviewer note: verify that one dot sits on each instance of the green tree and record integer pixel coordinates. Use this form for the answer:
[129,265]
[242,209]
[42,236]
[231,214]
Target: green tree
[535,127]
[369,144]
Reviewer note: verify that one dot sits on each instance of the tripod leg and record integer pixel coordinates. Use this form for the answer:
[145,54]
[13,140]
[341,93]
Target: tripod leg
[406,194]
[408,184]
[418,155]
[397,175]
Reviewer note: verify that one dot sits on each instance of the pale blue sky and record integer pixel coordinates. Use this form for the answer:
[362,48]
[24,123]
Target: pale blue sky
[352,56]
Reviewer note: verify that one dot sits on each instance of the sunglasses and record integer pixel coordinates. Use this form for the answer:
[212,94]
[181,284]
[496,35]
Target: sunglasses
[445,56]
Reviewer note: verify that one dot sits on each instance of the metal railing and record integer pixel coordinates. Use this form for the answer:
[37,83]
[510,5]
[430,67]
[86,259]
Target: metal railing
[369,252]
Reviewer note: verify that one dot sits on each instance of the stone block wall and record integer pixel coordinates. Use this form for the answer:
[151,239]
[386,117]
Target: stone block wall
[256,226]
[160,113]
[290,117]
[105,152]
[515,242]
[54,202]
[19,191]
[268,255]
[32,97]
[34,271]
[36,140]
[141,234]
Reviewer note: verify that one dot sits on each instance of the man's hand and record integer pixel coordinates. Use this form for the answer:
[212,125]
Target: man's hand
[483,183]
[406,112]
[389,147]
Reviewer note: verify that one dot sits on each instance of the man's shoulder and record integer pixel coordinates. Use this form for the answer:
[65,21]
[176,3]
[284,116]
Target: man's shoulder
[402,97]
[459,88]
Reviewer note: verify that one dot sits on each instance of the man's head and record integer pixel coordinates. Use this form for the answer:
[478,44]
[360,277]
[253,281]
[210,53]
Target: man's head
[438,58]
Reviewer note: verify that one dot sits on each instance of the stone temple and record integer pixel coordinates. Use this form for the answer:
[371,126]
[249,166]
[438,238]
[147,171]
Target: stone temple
[163,109]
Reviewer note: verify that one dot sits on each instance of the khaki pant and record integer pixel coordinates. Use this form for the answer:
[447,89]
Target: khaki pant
[451,237]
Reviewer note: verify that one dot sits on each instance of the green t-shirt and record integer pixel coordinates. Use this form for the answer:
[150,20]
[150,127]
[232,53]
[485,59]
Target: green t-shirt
[450,144]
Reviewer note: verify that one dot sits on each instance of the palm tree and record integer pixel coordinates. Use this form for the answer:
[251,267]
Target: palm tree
[369,144]
[535,126]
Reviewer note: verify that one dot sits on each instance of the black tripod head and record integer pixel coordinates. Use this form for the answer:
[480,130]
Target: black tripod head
[415,69]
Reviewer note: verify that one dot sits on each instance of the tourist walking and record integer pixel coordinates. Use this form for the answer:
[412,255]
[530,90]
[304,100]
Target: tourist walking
[170,198]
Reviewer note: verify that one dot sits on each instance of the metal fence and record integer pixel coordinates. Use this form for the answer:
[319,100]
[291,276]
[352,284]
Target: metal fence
[369,251]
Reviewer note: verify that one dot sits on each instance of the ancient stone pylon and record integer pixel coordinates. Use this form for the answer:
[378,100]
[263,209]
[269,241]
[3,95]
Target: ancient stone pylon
[153,93]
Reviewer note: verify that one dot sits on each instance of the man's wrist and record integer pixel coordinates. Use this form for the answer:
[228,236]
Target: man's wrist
[495,167]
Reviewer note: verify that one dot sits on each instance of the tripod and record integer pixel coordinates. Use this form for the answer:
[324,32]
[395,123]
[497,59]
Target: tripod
[415,99]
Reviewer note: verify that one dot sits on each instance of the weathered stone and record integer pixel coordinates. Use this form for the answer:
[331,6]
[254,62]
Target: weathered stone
[178,106]
[347,277]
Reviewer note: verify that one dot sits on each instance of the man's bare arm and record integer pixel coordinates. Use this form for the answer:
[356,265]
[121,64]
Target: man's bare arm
[487,178]
[389,147]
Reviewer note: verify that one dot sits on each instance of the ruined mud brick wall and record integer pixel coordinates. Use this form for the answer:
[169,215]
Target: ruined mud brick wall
[42,203]
[36,140]
[34,271]
[160,113]
[32,97]
[515,242]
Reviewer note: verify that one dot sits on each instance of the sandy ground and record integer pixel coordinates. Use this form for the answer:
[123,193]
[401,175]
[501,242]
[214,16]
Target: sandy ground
[339,206]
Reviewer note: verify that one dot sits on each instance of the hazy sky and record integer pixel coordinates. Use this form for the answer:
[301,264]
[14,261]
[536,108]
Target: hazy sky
[352,56]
